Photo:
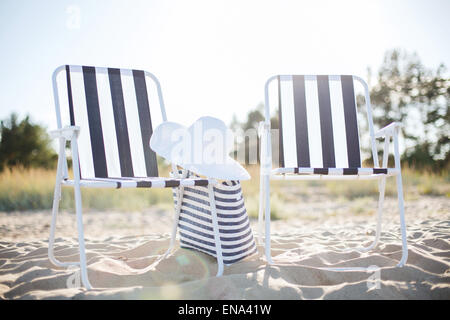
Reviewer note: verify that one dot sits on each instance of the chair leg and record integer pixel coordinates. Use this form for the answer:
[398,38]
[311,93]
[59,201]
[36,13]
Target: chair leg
[382,187]
[51,241]
[173,235]
[175,222]
[401,208]
[261,210]
[212,202]
[55,209]
[267,217]
[81,246]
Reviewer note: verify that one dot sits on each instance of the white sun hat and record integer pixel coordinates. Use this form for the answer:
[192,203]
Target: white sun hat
[202,148]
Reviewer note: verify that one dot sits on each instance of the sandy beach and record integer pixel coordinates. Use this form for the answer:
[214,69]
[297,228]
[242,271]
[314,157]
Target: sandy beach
[120,243]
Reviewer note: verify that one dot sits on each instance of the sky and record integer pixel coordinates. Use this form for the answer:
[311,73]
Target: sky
[211,57]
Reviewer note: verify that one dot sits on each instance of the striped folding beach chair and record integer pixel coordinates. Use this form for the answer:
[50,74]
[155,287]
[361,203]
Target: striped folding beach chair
[319,139]
[109,125]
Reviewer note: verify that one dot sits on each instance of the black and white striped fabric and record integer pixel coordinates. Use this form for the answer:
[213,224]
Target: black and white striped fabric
[337,171]
[195,223]
[318,124]
[111,106]
[152,182]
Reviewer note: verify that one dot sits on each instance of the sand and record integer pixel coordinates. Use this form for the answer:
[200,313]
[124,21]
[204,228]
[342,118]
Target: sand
[119,243]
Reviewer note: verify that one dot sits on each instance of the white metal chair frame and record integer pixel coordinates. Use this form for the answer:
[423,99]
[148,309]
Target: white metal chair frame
[267,173]
[70,133]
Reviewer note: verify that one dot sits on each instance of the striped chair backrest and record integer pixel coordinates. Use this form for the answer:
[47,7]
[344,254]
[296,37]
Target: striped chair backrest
[318,122]
[111,106]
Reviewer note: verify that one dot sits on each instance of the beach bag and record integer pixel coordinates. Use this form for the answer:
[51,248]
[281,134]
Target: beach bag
[195,223]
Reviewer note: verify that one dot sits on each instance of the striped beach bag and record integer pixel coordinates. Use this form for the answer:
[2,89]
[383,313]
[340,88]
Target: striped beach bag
[195,223]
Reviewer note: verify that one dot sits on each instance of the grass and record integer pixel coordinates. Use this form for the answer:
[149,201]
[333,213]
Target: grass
[33,190]
[22,189]
[285,194]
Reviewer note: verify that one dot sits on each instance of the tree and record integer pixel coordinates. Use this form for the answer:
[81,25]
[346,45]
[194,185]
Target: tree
[405,91]
[25,144]
[254,117]
[419,97]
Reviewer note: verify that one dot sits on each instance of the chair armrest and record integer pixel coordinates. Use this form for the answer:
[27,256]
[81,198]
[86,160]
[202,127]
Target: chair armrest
[389,130]
[67,133]
[264,135]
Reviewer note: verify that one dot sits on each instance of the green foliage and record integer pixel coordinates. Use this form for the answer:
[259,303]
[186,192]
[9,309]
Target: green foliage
[419,97]
[32,189]
[25,144]
[405,91]
[254,117]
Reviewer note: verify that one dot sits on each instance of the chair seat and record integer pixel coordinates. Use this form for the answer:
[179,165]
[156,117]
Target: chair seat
[337,171]
[139,182]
